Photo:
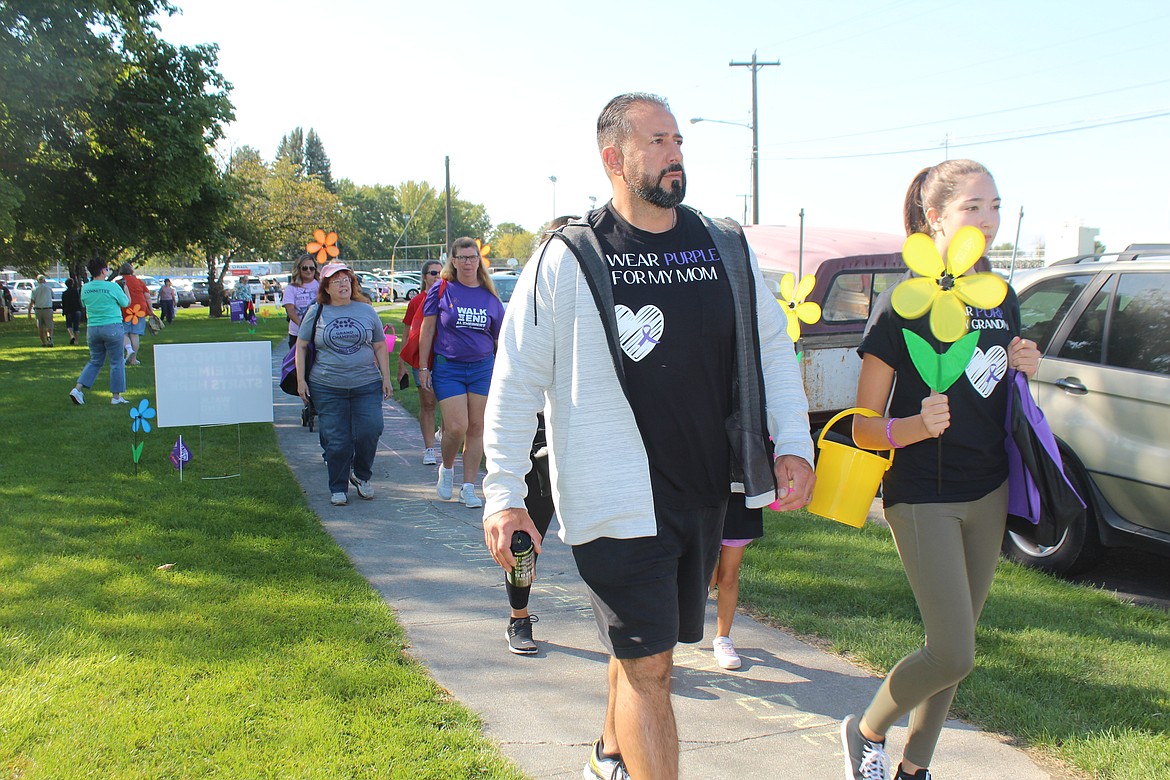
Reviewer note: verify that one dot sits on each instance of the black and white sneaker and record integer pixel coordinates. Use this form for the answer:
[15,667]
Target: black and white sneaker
[921,774]
[519,635]
[864,760]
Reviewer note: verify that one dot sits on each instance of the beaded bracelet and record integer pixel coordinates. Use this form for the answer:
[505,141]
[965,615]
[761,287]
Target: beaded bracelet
[890,434]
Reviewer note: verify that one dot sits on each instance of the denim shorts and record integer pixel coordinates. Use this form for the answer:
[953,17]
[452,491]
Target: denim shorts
[450,378]
[137,329]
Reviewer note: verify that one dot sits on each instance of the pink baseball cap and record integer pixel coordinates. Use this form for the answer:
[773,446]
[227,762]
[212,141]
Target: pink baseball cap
[332,268]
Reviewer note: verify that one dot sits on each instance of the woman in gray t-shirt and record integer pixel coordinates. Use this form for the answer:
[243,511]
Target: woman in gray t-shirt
[348,379]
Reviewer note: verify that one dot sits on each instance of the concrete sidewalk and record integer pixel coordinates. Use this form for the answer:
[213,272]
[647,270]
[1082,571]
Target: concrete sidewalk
[778,716]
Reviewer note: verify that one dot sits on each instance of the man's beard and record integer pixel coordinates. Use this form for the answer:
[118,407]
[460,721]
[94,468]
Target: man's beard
[652,191]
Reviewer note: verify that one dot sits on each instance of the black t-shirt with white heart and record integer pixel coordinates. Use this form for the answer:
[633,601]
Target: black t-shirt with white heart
[677,330]
[974,462]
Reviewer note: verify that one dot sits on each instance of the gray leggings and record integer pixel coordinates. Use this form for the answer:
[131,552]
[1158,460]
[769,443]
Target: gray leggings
[949,552]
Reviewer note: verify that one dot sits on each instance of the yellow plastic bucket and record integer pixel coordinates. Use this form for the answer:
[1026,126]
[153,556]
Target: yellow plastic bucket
[847,478]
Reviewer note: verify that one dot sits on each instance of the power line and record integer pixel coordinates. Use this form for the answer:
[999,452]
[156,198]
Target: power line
[971,116]
[1127,120]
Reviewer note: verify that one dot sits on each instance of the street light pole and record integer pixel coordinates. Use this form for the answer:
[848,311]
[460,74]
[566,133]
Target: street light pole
[755,180]
[755,66]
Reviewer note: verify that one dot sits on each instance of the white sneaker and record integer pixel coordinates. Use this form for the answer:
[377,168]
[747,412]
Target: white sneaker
[438,436]
[430,456]
[446,483]
[118,400]
[363,487]
[468,497]
[77,397]
[725,654]
[338,499]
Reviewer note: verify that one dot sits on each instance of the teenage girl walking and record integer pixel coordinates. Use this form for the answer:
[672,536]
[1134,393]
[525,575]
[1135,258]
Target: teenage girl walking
[948,539]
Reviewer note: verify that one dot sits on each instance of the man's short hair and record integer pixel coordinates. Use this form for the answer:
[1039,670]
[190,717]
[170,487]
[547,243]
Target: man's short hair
[614,126]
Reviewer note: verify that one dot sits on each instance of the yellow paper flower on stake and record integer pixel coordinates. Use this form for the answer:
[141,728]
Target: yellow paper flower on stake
[324,245]
[798,310]
[945,289]
[484,250]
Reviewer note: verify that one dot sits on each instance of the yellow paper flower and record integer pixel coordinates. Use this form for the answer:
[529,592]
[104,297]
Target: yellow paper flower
[484,250]
[133,314]
[798,310]
[942,288]
[324,245]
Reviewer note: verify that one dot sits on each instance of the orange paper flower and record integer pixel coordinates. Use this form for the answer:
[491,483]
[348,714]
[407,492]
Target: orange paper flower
[484,249]
[324,245]
[133,314]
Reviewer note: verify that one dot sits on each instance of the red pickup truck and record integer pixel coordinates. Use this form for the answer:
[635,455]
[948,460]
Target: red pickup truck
[852,268]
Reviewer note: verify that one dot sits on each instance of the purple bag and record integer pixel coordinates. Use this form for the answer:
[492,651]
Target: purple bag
[1041,501]
[288,366]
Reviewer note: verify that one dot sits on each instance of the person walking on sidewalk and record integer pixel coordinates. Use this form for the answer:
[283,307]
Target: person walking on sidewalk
[650,340]
[948,538]
[408,357]
[461,321]
[299,294]
[103,302]
[41,302]
[348,380]
[741,527]
[539,503]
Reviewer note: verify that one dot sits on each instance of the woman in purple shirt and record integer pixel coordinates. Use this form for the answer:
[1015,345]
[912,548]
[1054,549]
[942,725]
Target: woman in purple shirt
[461,322]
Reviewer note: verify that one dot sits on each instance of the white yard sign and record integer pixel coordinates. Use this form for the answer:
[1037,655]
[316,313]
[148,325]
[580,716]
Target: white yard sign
[213,384]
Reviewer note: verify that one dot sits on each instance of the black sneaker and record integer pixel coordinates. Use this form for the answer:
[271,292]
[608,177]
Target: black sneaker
[519,635]
[921,774]
[864,760]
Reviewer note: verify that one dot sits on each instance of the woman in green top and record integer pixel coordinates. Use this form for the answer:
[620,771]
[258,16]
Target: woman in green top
[103,302]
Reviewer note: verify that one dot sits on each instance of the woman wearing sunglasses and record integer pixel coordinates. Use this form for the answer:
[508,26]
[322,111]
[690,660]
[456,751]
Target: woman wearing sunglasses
[461,320]
[409,358]
[299,294]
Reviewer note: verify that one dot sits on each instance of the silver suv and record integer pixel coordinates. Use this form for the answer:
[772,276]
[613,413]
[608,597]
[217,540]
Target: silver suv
[1102,323]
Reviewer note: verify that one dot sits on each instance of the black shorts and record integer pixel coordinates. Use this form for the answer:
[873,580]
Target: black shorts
[650,593]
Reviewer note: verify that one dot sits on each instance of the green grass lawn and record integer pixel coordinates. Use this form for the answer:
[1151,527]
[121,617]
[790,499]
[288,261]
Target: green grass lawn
[1064,669]
[260,653]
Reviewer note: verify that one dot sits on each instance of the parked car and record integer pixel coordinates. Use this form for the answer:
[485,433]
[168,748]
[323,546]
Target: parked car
[505,283]
[200,291]
[184,292]
[22,290]
[153,285]
[1102,323]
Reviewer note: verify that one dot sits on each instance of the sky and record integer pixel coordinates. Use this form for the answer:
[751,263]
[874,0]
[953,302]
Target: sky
[1068,105]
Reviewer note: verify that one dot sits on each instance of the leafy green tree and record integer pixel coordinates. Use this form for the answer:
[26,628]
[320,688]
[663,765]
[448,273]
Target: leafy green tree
[510,240]
[292,150]
[374,215]
[88,93]
[316,161]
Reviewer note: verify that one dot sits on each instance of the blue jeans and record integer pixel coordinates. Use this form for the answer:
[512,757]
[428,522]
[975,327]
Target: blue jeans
[350,422]
[105,341]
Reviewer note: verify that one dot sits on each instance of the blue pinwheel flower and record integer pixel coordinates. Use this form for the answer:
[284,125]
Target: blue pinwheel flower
[140,415]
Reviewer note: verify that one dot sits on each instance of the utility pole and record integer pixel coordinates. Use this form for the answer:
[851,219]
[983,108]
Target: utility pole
[755,65]
[447,235]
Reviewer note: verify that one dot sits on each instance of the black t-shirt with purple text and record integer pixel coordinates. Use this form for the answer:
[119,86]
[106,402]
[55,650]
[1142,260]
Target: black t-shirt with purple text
[676,328]
[974,461]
